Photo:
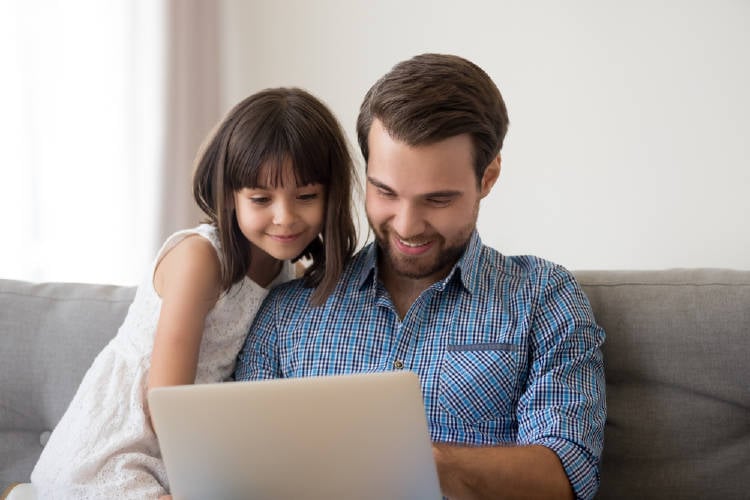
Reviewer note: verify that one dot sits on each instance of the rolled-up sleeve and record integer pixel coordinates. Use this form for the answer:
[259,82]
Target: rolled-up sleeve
[564,405]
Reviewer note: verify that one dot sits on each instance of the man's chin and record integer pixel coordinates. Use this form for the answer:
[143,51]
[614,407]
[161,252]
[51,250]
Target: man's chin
[422,267]
[410,267]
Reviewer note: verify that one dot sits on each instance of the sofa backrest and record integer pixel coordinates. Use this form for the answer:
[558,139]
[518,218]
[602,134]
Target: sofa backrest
[49,336]
[677,363]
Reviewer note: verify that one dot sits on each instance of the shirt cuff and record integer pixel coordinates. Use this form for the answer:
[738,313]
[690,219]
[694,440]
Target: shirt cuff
[581,468]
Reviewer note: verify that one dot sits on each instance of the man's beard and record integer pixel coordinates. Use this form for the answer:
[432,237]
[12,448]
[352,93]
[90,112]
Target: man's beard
[420,267]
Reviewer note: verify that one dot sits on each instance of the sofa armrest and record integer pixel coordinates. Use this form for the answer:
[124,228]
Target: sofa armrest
[49,336]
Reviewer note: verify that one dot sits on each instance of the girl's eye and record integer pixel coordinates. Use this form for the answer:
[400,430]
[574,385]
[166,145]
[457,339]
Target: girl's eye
[259,200]
[308,196]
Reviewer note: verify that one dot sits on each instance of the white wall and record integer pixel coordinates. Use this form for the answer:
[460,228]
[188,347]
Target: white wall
[629,145]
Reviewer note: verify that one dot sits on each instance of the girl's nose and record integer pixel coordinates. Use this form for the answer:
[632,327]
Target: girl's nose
[283,214]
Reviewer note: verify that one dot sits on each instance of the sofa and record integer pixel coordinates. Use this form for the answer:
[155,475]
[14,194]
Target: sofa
[677,362]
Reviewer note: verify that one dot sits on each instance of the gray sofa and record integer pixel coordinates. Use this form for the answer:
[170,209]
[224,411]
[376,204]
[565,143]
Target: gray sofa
[677,360]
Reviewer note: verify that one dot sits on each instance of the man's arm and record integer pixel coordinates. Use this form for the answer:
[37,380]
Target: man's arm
[500,472]
[561,412]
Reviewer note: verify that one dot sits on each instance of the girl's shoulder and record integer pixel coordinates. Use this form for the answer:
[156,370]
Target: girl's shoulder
[188,258]
[206,232]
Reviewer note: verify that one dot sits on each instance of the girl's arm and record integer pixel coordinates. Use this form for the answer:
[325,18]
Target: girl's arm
[187,280]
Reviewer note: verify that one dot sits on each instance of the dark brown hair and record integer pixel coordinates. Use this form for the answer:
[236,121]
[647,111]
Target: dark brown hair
[432,97]
[271,126]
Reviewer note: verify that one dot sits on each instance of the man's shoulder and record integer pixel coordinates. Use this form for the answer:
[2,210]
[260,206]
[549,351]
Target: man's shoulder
[518,266]
[529,275]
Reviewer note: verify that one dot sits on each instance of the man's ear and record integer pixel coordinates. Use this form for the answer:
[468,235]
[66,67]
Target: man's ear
[491,173]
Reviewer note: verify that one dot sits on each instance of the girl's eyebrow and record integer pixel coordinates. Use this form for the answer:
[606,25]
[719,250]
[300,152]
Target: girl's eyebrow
[263,187]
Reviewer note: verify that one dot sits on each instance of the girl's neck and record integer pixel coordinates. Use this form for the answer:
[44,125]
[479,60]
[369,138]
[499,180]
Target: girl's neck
[263,268]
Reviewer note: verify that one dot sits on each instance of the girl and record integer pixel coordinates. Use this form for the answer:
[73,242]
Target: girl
[275,183]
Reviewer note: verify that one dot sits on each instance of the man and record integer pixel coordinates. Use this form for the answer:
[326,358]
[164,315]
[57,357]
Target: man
[506,348]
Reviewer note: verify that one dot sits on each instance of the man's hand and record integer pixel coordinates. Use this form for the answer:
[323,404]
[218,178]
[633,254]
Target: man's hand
[500,472]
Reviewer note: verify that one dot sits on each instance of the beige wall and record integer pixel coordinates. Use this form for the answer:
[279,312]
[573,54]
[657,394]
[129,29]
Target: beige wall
[630,121]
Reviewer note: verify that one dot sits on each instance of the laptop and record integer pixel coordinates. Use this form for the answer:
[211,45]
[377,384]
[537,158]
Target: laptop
[360,436]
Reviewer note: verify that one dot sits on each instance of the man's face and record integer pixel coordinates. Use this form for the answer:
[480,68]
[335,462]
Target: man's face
[422,202]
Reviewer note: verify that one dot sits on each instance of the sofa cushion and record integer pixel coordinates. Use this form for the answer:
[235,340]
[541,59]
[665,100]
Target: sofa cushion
[678,382]
[51,333]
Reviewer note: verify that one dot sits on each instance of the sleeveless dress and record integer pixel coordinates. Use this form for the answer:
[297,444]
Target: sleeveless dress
[103,446]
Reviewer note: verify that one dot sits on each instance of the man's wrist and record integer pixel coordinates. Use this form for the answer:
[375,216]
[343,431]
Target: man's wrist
[454,480]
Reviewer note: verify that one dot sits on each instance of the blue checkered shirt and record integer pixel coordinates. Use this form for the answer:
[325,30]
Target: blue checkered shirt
[506,348]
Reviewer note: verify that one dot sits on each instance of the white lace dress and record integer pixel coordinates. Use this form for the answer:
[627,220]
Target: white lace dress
[103,446]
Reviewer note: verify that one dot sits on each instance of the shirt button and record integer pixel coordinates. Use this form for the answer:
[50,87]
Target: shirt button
[398,364]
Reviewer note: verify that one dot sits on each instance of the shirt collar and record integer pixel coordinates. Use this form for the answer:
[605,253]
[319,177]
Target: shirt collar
[465,270]
[369,264]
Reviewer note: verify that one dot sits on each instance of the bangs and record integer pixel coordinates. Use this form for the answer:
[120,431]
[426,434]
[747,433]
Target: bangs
[283,154]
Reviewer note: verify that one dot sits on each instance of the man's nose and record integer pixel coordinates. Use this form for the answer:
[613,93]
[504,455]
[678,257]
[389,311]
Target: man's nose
[408,221]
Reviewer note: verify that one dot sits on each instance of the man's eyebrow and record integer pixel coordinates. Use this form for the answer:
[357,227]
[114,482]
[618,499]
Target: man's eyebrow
[443,194]
[448,193]
[378,184]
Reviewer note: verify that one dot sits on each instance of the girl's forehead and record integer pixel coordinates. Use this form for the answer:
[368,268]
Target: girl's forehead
[280,173]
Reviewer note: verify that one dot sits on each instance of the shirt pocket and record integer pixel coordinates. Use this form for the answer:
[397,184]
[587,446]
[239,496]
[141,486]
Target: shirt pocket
[477,381]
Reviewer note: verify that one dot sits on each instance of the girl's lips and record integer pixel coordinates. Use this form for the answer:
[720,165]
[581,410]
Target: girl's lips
[284,238]
[412,250]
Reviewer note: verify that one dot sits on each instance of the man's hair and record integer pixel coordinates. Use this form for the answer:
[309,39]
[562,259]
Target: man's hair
[263,130]
[432,97]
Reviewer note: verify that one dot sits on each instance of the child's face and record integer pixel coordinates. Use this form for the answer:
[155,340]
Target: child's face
[281,220]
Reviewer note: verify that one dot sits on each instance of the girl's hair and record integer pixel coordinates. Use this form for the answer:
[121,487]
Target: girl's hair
[268,128]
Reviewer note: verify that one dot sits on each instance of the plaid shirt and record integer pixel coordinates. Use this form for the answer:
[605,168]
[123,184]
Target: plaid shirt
[506,348]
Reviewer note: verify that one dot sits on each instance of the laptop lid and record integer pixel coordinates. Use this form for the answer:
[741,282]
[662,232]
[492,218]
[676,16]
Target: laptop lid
[346,436]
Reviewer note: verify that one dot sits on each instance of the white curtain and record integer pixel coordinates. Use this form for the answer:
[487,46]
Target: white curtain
[96,149]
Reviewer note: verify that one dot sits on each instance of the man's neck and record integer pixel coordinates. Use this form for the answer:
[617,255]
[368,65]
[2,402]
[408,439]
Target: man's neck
[404,293]
[403,290]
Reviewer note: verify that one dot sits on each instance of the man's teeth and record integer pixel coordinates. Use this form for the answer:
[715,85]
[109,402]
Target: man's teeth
[411,245]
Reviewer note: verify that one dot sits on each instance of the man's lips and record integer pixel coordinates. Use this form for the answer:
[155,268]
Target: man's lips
[412,248]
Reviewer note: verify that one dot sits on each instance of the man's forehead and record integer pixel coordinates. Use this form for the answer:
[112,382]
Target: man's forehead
[441,167]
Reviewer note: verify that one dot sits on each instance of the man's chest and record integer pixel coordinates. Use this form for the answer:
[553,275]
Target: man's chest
[471,357]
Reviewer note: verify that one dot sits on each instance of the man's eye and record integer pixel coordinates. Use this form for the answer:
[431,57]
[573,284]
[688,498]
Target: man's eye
[440,202]
[386,194]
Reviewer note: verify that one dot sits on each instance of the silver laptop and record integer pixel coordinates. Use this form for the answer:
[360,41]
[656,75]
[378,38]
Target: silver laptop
[338,437]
